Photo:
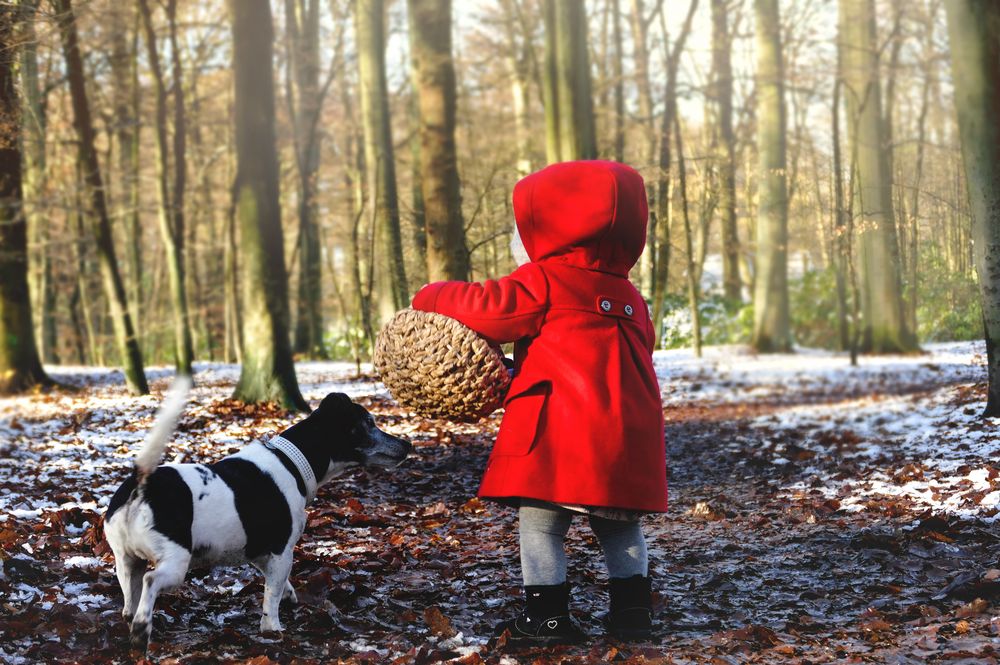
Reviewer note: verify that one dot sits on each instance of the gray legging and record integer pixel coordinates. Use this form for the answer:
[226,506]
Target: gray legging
[543,528]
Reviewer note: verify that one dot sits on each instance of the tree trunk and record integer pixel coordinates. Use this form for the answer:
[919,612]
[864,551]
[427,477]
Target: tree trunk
[692,282]
[171,193]
[519,68]
[114,288]
[722,94]
[771,324]
[302,21]
[568,82]
[618,74]
[884,327]
[550,93]
[267,373]
[20,366]
[33,155]
[380,161]
[663,184]
[125,97]
[640,58]
[430,48]
[973,26]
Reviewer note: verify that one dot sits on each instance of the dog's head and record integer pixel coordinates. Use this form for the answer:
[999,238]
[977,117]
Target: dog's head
[340,434]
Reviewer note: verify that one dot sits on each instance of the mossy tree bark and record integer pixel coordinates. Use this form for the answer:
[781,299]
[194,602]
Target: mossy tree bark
[171,185]
[380,161]
[973,26]
[114,287]
[20,366]
[771,332]
[267,373]
[434,74]
[306,99]
[884,328]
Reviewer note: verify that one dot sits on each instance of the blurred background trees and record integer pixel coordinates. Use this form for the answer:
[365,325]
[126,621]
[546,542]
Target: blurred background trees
[184,200]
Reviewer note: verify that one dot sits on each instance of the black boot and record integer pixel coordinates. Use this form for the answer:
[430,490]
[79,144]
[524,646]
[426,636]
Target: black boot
[630,618]
[545,620]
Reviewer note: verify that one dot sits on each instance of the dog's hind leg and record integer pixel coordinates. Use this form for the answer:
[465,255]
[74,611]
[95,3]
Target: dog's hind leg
[129,570]
[276,570]
[289,593]
[169,572]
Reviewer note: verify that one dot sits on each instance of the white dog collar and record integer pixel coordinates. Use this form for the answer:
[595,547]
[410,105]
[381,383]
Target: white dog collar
[299,460]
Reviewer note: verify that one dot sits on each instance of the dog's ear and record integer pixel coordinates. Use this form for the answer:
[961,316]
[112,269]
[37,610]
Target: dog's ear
[335,403]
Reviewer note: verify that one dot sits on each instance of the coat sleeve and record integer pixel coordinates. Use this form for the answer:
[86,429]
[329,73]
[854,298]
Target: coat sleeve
[501,310]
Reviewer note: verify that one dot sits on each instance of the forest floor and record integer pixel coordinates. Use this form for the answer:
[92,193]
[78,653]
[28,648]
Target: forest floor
[819,513]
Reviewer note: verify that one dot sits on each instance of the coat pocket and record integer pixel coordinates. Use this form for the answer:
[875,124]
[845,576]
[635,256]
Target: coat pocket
[523,413]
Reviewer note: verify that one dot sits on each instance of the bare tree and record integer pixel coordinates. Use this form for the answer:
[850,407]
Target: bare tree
[430,48]
[20,367]
[114,287]
[973,26]
[267,373]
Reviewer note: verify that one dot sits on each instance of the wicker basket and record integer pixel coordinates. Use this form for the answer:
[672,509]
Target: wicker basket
[440,368]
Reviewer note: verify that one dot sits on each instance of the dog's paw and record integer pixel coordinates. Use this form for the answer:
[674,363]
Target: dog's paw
[139,638]
[269,625]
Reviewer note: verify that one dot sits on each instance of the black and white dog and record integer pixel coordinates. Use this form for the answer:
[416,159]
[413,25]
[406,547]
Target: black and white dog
[246,508]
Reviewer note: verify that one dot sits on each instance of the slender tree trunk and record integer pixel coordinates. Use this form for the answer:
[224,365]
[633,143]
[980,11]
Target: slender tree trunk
[380,162]
[568,76]
[302,21]
[20,366]
[841,238]
[973,26]
[125,96]
[663,182]
[885,329]
[722,93]
[618,73]
[550,92]
[519,62]
[171,185]
[640,58]
[692,282]
[267,373]
[33,155]
[430,48]
[771,321]
[114,288]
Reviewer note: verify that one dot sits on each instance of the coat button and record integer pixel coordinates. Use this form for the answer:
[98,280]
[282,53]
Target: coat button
[628,309]
[606,305]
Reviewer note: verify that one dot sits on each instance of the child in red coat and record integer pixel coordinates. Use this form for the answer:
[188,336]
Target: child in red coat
[582,430]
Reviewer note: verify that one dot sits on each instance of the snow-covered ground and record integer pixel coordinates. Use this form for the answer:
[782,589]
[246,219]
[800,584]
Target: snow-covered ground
[910,424]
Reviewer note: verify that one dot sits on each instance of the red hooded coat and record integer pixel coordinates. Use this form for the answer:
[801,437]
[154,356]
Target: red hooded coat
[583,421]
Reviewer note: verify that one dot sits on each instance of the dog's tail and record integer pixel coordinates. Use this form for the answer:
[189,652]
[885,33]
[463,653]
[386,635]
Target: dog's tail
[166,419]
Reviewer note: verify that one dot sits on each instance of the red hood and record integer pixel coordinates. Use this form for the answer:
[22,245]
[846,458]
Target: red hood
[589,214]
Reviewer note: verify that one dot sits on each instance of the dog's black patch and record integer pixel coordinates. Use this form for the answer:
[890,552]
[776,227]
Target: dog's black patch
[261,506]
[169,497]
[333,432]
[122,496]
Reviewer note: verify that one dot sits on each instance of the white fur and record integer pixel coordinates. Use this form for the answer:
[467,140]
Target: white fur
[163,426]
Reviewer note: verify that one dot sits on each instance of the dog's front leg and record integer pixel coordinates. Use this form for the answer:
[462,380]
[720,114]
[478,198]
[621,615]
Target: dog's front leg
[129,570]
[276,570]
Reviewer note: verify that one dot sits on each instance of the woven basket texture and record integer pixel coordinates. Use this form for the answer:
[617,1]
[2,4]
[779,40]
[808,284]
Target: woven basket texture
[440,368]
